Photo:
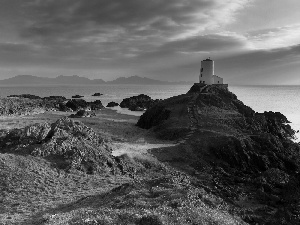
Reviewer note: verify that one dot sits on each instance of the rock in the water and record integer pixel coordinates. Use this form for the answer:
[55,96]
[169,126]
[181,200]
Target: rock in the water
[112,104]
[97,94]
[77,96]
[138,103]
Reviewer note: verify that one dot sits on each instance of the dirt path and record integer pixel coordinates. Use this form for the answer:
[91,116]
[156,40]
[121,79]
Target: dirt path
[137,149]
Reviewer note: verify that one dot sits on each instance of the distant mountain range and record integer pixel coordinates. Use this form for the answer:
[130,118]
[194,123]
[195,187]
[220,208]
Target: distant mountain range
[65,80]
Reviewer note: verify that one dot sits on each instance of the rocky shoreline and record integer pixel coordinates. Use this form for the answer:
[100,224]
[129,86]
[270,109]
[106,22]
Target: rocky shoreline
[27,104]
[199,158]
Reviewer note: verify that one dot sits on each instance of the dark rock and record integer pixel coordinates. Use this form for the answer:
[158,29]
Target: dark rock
[138,103]
[154,117]
[96,105]
[112,104]
[62,107]
[77,104]
[77,96]
[97,94]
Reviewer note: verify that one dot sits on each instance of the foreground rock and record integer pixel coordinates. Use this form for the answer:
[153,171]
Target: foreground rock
[138,103]
[69,145]
[248,158]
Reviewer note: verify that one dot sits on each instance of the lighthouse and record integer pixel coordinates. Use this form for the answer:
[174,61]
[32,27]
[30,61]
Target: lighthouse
[207,73]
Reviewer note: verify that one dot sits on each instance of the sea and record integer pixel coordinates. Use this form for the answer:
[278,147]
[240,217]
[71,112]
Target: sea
[284,99]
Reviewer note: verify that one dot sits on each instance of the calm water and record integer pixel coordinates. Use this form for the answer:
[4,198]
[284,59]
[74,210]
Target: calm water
[284,99]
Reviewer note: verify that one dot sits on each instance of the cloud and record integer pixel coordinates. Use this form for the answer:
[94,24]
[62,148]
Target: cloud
[277,37]
[166,39]
[72,20]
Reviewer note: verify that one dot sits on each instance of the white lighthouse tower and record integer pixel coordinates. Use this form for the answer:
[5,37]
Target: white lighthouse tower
[207,73]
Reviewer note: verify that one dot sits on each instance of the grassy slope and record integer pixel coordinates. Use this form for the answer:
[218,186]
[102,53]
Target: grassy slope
[33,192]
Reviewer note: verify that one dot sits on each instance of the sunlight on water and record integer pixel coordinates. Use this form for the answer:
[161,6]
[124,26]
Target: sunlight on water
[284,99]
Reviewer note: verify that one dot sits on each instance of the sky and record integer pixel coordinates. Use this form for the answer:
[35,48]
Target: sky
[251,41]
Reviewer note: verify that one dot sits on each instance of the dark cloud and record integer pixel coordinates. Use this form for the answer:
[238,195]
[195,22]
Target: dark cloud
[65,17]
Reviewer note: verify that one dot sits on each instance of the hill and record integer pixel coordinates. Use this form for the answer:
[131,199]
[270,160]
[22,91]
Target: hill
[248,157]
[66,80]
[61,80]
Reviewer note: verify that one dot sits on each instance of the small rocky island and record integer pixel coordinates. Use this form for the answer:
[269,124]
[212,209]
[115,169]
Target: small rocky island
[199,158]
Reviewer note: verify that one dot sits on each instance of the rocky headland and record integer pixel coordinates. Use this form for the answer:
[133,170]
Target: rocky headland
[199,158]
[246,158]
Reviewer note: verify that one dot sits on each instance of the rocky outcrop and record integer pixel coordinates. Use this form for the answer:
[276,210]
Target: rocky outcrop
[246,155]
[138,103]
[77,104]
[96,105]
[112,104]
[80,104]
[154,117]
[69,145]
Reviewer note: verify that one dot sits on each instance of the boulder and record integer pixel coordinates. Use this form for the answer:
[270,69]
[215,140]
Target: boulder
[112,104]
[77,104]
